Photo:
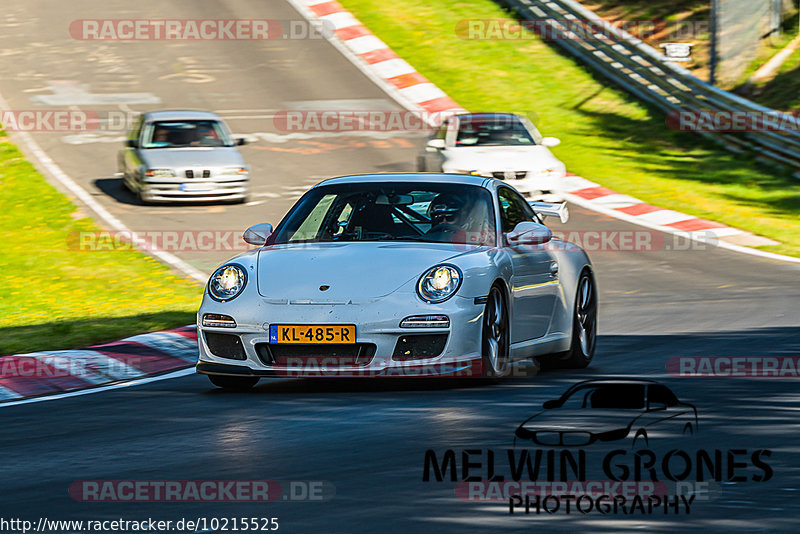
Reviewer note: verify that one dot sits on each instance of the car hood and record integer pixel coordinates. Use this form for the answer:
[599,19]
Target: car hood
[501,158]
[354,271]
[594,421]
[170,158]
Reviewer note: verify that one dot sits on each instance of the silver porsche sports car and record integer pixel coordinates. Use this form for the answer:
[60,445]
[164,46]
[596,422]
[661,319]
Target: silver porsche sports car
[399,275]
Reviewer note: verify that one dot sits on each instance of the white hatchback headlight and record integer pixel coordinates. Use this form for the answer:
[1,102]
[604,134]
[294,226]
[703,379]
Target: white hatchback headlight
[439,283]
[227,282]
[234,171]
[160,173]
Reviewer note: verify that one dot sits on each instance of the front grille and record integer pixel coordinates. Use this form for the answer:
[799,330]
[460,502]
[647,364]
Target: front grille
[225,345]
[355,354]
[419,346]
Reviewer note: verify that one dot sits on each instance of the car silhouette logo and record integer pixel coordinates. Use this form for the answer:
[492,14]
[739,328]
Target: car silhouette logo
[609,410]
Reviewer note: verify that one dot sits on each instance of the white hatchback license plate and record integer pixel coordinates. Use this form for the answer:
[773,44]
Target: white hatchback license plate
[196,188]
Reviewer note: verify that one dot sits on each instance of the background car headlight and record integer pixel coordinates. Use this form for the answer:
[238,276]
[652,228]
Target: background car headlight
[227,282]
[160,173]
[551,172]
[234,171]
[439,283]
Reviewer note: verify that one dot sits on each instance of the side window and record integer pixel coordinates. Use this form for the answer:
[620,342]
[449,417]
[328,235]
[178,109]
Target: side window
[513,209]
[661,395]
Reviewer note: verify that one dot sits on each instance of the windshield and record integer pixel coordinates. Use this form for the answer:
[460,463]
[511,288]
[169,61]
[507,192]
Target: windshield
[435,213]
[492,132]
[607,396]
[189,133]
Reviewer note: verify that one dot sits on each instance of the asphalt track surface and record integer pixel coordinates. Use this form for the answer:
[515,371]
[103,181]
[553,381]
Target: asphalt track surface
[368,438]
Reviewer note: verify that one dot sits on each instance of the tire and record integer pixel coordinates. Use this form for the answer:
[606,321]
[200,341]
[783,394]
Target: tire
[421,164]
[584,329]
[139,198]
[640,439]
[494,336]
[234,383]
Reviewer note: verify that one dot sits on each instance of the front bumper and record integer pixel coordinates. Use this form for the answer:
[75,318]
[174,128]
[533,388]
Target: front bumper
[197,191]
[529,182]
[377,326]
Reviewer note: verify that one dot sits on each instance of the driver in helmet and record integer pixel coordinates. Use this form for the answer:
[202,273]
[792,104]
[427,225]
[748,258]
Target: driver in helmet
[448,215]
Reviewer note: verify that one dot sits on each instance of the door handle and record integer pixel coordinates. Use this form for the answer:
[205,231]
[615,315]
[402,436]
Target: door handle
[554,269]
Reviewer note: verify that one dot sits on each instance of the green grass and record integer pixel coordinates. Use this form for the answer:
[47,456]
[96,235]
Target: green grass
[783,91]
[54,296]
[607,136]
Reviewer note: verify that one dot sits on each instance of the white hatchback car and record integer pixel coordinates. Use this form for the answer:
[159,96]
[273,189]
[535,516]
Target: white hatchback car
[496,145]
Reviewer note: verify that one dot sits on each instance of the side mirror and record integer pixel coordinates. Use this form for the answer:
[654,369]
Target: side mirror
[655,406]
[257,234]
[131,143]
[241,141]
[549,405]
[551,141]
[529,233]
[550,209]
[434,145]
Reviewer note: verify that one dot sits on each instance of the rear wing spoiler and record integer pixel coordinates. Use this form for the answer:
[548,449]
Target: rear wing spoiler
[551,209]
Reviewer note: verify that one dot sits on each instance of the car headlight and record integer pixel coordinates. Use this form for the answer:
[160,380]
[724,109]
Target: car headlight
[227,282]
[234,171]
[160,173]
[550,172]
[439,283]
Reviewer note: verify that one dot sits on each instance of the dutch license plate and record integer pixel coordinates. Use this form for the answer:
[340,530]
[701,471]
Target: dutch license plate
[338,333]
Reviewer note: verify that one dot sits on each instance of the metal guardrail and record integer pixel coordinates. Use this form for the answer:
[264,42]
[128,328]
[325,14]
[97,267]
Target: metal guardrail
[646,73]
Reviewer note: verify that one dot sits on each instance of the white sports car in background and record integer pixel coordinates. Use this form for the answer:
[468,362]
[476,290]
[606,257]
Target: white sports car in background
[496,145]
[398,275]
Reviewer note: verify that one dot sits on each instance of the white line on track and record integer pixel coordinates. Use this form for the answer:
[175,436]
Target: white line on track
[137,382]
